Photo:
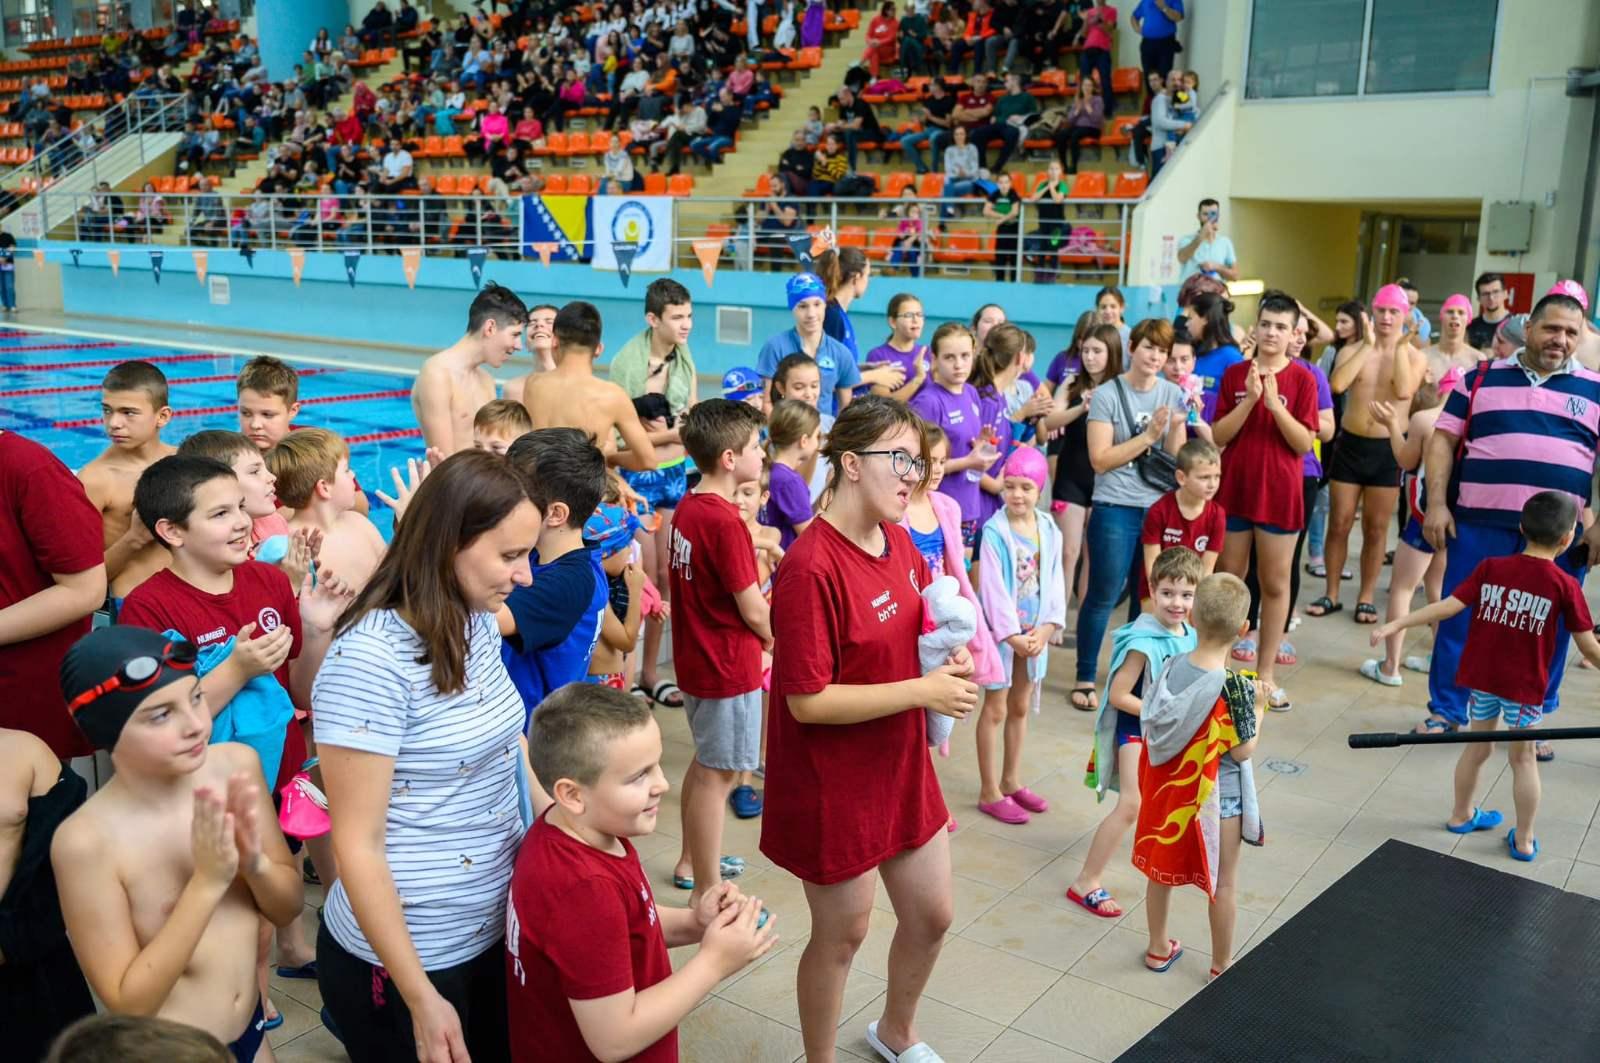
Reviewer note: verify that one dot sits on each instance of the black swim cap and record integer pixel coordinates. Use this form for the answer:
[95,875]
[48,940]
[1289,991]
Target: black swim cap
[109,672]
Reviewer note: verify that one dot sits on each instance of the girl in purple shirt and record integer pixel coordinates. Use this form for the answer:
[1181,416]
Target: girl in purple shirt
[904,347]
[951,403]
[794,433]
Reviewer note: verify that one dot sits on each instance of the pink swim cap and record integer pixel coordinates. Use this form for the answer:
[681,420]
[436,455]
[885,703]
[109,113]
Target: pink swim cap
[1029,463]
[1457,302]
[1573,290]
[1391,297]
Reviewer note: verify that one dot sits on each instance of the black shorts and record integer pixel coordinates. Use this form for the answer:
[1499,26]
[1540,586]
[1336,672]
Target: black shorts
[1367,462]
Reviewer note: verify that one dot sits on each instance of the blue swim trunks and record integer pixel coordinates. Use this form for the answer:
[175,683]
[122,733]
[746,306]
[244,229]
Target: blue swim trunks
[662,487]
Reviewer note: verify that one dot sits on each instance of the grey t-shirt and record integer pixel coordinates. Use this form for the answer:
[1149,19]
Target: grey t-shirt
[1122,486]
[1181,674]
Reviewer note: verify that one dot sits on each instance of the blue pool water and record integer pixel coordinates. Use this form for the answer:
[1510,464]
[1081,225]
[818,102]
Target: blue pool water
[49,392]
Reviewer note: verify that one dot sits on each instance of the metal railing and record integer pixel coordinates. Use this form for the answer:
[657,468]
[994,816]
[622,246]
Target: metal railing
[149,113]
[1075,241]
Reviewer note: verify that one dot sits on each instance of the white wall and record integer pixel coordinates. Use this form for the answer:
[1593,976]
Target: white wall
[1204,166]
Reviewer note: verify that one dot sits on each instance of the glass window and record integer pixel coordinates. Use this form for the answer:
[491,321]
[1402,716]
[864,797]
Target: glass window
[1305,48]
[1431,45]
[1309,48]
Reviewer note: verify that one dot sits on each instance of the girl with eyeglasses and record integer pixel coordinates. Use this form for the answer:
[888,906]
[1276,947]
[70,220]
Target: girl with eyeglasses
[903,347]
[851,791]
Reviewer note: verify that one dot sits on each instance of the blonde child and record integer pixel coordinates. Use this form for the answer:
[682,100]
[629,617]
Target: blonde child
[1010,402]
[497,425]
[312,469]
[951,402]
[798,378]
[619,624]
[794,435]
[1024,601]
[1415,561]
[1138,653]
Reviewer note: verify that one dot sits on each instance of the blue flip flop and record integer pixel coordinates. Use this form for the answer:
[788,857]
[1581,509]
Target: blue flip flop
[1174,950]
[1480,820]
[731,867]
[308,971]
[272,1023]
[1518,854]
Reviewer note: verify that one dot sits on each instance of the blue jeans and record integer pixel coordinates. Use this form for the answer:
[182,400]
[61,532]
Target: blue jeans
[8,289]
[1112,540]
[1474,543]
[912,143]
[710,148]
[1317,523]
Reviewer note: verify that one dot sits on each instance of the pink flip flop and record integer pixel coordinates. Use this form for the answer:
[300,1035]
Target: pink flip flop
[1029,800]
[1005,810]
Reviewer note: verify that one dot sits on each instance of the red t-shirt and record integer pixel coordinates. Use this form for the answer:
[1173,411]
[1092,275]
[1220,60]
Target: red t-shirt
[581,924]
[47,524]
[1166,526]
[1511,639]
[260,596]
[1260,474]
[714,652]
[971,101]
[843,799]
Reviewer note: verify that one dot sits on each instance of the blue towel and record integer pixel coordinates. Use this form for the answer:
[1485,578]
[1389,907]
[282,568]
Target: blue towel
[258,714]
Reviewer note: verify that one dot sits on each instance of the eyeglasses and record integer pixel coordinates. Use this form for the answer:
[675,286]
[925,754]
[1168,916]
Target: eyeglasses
[137,673]
[911,317]
[901,463]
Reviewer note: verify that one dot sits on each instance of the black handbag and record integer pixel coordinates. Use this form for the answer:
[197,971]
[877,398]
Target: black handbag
[1157,468]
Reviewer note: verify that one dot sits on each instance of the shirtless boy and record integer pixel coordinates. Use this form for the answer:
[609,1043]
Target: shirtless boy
[133,405]
[269,401]
[542,342]
[453,384]
[571,396]
[1383,367]
[1451,350]
[165,873]
[314,479]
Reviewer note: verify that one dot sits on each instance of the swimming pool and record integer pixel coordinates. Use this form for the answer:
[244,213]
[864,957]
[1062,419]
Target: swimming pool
[50,392]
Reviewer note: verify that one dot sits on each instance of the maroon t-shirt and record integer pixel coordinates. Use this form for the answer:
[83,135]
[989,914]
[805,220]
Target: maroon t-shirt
[1260,473]
[260,596]
[47,524]
[1166,526]
[581,924]
[842,799]
[1511,640]
[714,652]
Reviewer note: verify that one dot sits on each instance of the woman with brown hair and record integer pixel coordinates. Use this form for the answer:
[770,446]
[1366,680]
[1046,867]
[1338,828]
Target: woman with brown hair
[851,791]
[418,727]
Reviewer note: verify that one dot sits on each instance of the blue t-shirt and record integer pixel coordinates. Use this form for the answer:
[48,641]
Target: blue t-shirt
[836,323]
[1209,367]
[834,360]
[1154,24]
[558,622]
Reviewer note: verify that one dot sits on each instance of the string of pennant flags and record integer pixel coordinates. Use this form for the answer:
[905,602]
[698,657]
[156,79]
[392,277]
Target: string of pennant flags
[805,247]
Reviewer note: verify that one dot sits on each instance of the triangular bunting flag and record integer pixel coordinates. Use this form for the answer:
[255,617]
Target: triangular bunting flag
[626,251]
[115,258]
[249,255]
[75,253]
[708,252]
[822,241]
[297,264]
[351,258]
[410,262]
[476,257]
[544,250]
[156,259]
[201,260]
[38,257]
[800,243]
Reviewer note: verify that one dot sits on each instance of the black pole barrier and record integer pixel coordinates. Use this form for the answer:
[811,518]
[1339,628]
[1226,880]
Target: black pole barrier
[1388,740]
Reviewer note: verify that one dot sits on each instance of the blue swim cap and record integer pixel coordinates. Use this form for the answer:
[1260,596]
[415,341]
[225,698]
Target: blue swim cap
[740,383]
[803,286]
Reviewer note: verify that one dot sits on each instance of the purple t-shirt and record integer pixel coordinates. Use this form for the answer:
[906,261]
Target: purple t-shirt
[992,413]
[906,360]
[1313,466]
[788,503]
[1064,364]
[962,419]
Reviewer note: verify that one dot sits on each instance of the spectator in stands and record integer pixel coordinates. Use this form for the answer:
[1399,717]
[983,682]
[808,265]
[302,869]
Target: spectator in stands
[915,29]
[946,47]
[1156,23]
[1207,250]
[322,43]
[1166,128]
[529,131]
[1099,23]
[974,41]
[936,112]
[794,166]
[1050,211]
[630,90]
[680,49]
[779,218]
[962,173]
[191,152]
[1046,27]
[422,50]
[405,20]
[149,217]
[857,123]
[208,218]
[619,166]
[1009,121]
[883,40]
[397,169]
[377,28]
[813,127]
[682,128]
[828,167]
[1000,51]
[1085,121]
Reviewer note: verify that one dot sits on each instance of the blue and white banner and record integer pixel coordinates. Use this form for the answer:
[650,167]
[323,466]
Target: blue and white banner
[644,221]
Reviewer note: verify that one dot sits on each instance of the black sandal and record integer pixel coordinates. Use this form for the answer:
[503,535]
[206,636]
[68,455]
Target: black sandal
[1326,607]
[1083,698]
[1366,613]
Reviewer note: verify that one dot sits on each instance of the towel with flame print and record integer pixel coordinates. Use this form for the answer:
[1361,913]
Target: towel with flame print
[1175,842]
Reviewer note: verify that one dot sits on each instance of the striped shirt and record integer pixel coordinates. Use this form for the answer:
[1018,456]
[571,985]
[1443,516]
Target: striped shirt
[1526,434]
[453,826]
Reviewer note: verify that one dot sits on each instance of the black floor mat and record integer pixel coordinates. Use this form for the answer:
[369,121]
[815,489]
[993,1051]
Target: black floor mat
[1412,955]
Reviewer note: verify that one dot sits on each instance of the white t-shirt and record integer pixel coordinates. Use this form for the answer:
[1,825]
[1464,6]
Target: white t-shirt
[453,824]
[1218,250]
[396,163]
